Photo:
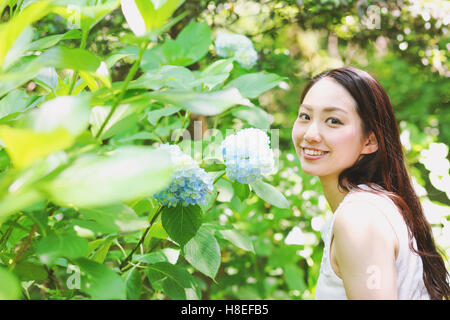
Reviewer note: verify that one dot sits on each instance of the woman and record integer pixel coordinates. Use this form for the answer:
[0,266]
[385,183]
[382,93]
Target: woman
[378,244]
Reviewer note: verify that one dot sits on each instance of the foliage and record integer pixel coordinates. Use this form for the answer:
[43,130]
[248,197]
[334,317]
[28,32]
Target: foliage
[90,89]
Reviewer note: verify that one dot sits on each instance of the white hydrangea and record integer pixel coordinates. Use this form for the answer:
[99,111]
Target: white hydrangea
[247,155]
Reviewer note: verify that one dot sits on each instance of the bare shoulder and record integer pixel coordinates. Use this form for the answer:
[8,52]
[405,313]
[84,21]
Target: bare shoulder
[360,222]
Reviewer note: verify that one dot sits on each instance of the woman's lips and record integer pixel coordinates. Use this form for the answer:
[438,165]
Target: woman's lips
[313,154]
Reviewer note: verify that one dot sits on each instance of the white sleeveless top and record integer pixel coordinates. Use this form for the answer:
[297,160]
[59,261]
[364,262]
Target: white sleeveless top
[408,264]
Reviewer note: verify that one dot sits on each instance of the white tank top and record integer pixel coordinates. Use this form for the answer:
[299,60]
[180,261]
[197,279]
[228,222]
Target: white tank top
[408,264]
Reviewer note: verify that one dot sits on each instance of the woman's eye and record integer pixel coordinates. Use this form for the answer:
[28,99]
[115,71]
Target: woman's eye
[303,116]
[333,121]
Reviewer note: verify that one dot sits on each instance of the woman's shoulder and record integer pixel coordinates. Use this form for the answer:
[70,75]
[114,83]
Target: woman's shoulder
[362,216]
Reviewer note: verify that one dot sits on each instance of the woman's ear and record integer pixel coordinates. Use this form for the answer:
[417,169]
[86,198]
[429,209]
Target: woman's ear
[371,144]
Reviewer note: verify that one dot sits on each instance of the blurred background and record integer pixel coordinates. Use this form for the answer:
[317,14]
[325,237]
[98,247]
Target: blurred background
[403,44]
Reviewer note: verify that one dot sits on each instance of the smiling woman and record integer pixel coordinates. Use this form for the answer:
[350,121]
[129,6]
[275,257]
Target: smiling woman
[378,244]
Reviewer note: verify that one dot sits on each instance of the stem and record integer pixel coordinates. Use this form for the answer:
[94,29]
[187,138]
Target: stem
[155,216]
[129,77]
[84,37]
[186,116]
[219,176]
[26,244]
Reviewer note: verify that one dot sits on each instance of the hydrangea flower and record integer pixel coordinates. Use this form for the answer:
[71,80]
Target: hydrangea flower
[247,155]
[190,183]
[237,45]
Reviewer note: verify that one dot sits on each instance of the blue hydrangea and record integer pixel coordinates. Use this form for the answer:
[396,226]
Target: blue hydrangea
[190,183]
[247,155]
[238,46]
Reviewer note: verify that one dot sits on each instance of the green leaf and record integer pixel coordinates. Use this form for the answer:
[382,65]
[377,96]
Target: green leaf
[203,253]
[61,245]
[208,103]
[252,85]
[10,286]
[216,73]
[50,41]
[13,28]
[191,45]
[100,281]
[13,105]
[294,277]
[151,258]
[238,239]
[254,116]
[114,218]
[181,223]
[154,115]
[270,194]
[172,279]
[68,112]
[27,271]
[47,129]
[133,284]
[24,146]
[165,76]
[15,201]
[102,251]
[19,47]
[65,58]
[124,174]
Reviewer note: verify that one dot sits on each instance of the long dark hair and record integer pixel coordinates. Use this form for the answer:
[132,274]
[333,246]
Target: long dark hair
[386,168]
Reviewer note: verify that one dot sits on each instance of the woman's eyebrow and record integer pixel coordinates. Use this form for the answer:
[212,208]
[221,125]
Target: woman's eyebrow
[325,109]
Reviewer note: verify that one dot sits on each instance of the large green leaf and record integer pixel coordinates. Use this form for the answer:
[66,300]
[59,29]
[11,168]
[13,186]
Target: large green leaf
[114,218]
[124,174]
[252,85]
[14,28]
[68,112]
[9,286]
[47,129]
[203,253]
[165,76]
[181,223]
[100,281]
[61,245]
[191,45]
[66,58]
[207,103]
[24,146]
[59,57]
[270,194]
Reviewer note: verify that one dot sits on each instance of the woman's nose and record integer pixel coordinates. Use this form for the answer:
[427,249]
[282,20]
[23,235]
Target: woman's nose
[312,134]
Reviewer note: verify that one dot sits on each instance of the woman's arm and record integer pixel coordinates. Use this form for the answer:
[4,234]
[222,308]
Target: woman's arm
[365,252]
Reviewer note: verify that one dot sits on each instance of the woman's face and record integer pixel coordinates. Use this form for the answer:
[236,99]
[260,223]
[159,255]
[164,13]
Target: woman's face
[327,133]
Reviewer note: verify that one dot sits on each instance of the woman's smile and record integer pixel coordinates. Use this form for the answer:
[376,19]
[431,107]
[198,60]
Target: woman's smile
[313,154]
